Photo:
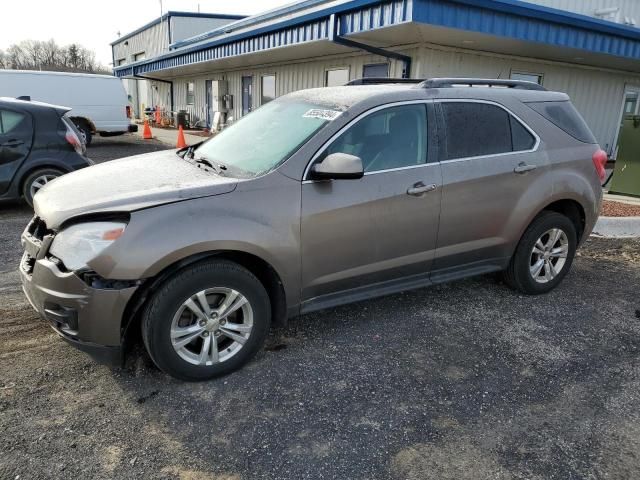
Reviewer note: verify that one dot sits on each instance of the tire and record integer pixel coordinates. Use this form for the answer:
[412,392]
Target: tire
[520,273]
[166,313]
[38,177]
[86,131]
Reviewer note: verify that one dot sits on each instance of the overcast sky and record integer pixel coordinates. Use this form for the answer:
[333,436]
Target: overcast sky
[95,24]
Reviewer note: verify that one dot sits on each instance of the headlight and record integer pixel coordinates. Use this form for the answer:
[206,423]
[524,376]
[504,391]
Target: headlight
[79,244]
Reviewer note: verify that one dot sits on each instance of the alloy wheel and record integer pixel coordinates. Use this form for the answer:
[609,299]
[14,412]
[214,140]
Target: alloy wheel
[549,255]
[40,182]
[211,326]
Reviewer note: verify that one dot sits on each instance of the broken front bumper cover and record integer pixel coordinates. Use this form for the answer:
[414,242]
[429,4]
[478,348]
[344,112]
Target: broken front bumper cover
[88,318]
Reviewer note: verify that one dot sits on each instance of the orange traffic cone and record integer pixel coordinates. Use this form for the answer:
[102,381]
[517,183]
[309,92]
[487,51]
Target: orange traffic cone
[158,117]
[181,143]
[146,131]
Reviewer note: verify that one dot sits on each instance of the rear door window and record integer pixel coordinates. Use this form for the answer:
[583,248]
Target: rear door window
[475,129]
[9,121]
[565,116]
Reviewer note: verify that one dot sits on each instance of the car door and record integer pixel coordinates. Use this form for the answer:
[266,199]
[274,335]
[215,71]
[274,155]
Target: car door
[489,159]
[379,228]
[16,135]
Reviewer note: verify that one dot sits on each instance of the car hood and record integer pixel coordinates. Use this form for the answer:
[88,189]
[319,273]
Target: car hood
[125,185]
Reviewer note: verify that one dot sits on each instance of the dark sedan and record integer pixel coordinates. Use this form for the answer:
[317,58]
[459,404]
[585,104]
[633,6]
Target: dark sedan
[38,143]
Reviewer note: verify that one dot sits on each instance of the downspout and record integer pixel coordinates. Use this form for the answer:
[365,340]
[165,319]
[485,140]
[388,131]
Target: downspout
[334,36]
[135,75]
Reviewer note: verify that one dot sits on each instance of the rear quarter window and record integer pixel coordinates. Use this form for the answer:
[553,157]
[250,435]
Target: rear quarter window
[565,116]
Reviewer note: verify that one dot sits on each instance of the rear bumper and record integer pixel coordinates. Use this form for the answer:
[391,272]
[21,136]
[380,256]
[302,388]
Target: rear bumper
[90,319]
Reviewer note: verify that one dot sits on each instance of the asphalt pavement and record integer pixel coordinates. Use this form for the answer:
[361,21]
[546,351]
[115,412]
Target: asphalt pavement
[468,380]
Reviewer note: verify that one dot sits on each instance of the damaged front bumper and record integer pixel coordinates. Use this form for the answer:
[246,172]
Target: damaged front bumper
[88,318]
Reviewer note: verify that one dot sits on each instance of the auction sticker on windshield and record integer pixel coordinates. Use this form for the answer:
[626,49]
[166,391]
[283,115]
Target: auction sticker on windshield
[322,114]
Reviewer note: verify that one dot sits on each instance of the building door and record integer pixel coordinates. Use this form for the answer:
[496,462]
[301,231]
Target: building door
[247,94]
[631,106]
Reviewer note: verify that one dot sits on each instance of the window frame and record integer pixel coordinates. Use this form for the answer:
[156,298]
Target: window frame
[430,135]
[336,68]
[442,126]
[275,87]
[376,65]
[193,95]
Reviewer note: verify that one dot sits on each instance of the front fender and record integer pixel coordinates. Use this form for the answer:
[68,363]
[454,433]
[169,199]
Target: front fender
[249,221]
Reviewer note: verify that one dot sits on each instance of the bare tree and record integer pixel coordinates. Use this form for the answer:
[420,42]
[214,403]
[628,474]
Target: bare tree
[40,55]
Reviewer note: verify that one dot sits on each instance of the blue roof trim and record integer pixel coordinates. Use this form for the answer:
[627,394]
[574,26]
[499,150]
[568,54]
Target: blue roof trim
[506,18]
[158,20]
[520,21]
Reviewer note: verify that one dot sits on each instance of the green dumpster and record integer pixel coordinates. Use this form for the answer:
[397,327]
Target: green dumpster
[626,176]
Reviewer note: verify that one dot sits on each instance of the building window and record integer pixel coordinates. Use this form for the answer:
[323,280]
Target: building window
[190,93]
[528,77]
[336,77]
[268,88]
[630,103]
[138,56]
[375,70]
[121,61]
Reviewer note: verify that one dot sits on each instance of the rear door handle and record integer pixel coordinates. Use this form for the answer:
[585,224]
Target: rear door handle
[420,189]
[524,168]
[12,143]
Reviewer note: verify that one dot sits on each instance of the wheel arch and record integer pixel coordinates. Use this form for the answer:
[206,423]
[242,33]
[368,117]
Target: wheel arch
[264,272]
[40,166]
[573,210]
[88,121]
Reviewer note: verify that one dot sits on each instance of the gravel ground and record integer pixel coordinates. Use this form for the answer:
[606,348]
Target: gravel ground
[619,209]
[461,381]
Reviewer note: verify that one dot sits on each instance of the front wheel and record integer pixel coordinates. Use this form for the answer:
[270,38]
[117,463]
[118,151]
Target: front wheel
[544,255]
[208,320]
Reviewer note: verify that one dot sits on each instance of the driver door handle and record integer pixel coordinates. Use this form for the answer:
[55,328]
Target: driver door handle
[12,143]
[420,189]
[524,168]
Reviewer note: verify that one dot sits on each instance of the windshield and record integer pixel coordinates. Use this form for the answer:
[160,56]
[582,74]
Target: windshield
[261,141]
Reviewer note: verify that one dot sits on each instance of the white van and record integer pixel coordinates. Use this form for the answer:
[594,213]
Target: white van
[98,103]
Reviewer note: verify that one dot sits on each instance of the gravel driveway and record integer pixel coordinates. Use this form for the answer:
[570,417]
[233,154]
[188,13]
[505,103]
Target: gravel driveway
[461,381]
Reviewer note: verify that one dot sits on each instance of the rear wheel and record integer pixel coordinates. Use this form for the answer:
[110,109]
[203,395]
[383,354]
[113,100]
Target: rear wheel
[544,255]
[36,180]
[206,321]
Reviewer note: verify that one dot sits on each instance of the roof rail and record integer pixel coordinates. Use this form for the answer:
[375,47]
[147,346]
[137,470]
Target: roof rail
[383,81]
[469,82]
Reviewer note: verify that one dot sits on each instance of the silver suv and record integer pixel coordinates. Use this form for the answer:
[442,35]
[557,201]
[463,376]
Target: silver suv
[319,198]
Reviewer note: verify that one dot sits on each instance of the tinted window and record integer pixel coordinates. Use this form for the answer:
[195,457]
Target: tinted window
[521,139]
[9,120]
[391,138]
[379,70]
[565,116]
[475,129]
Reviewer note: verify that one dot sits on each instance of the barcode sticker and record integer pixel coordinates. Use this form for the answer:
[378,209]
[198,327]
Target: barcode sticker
[328,115]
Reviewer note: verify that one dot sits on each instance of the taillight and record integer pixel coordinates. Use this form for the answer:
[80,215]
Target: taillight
[599,162]
[128,110]
[72,138]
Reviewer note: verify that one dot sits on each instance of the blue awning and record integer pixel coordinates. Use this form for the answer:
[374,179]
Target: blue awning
[509,19]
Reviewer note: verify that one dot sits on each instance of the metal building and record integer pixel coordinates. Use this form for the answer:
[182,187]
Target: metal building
[589,49]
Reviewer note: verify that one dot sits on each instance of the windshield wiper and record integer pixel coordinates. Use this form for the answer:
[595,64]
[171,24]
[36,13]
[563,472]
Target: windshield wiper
[218,168]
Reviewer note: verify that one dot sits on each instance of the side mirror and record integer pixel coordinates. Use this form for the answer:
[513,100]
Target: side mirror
[338,166]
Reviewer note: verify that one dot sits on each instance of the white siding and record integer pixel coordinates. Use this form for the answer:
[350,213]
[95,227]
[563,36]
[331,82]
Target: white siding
[153,41]
[628,8]
[186,27]
[597,94]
